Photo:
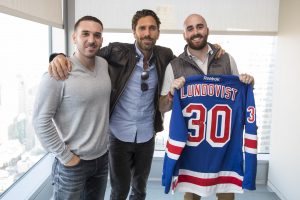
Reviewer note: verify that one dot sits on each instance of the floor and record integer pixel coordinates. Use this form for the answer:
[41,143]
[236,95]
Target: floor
[155,192]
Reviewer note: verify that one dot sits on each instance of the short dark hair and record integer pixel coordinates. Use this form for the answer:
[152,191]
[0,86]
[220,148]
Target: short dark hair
[144,13]
[87,18]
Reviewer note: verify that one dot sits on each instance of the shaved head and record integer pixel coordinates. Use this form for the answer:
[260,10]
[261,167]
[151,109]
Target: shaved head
[194,17]
[195,31]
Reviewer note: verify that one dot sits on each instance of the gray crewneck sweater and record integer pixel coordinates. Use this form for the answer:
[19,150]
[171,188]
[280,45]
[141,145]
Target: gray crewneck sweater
[71,116]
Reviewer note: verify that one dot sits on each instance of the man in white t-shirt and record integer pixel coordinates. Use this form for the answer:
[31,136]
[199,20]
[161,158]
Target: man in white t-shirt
[198,58]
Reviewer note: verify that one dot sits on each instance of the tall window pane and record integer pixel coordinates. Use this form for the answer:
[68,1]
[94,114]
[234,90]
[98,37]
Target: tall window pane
[24,56]
[255,55]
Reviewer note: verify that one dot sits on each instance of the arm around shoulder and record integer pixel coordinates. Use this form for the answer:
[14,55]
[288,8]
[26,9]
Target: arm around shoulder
[59,67]
[52,56]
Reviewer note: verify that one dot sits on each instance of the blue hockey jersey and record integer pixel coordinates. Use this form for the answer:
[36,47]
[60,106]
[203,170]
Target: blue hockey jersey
[207,150]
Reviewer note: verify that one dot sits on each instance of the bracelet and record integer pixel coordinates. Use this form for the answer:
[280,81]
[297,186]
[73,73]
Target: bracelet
[170,96]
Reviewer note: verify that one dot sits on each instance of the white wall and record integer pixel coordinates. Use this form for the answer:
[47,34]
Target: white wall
[222,15]
[284,163]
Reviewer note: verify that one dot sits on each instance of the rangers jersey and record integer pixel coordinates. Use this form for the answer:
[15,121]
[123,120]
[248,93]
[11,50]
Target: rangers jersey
[208,150]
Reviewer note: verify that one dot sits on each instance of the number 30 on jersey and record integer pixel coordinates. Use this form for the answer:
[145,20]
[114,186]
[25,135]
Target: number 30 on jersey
[213,125]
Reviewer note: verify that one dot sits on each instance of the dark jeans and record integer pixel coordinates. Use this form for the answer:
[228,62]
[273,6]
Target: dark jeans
[85,181]
[129,163]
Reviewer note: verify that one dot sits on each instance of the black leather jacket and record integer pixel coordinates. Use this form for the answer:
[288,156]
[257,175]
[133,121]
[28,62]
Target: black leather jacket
[122,59]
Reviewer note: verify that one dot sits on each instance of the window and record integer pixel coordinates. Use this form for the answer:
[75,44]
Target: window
[255,55]
[24,57]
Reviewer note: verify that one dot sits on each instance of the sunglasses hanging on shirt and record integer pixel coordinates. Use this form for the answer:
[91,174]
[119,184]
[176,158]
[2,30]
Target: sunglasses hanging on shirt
[144,77]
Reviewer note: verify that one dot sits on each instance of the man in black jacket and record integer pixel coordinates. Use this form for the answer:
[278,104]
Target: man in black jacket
[136,72]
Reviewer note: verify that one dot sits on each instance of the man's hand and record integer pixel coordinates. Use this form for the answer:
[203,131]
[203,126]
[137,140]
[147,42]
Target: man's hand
[60,67]
[246,78]
[177,84]
[165,101]
[220,52]
[74,161]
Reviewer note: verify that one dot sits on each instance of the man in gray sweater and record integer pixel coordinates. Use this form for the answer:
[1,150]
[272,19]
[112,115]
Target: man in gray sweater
[72,124]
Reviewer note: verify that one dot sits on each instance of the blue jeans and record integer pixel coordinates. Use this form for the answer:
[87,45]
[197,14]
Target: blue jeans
[129,164]
[85,181]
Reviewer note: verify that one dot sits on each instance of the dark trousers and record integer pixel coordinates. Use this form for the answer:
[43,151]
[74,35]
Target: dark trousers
[129,164]
[221,196]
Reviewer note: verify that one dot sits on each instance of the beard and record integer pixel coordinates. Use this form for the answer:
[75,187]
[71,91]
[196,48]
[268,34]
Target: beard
[197,46]
[146,46]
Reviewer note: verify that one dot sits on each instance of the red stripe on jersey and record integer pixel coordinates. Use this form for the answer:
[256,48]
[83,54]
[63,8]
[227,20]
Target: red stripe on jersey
[251,143]
[174,149]
[210,181]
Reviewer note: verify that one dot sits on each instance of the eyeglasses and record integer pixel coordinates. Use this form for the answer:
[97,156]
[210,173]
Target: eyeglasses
[144,77]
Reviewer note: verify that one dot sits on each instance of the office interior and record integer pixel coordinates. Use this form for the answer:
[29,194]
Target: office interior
[262,35]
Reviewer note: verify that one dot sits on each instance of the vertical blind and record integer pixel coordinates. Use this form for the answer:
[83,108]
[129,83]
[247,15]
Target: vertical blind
[221,15]
[47,12]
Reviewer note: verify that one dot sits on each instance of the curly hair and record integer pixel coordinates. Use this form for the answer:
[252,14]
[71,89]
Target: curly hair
[144,13]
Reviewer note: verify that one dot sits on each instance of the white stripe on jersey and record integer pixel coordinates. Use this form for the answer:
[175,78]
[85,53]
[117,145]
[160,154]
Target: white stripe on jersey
[210,175]
[250,150]
[176,143]
[250,136]
[173,156]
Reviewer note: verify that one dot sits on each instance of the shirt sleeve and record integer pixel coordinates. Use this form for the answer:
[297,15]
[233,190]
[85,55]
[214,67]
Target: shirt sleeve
[233,66]
[48,100]
[175,144]
[168,79]
[250,141]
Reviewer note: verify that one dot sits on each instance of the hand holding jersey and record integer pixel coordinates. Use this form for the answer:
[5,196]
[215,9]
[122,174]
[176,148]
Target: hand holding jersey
[179,82]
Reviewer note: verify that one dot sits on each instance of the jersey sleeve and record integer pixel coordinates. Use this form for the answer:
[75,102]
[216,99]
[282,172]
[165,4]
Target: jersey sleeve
[175,144]
[250,141]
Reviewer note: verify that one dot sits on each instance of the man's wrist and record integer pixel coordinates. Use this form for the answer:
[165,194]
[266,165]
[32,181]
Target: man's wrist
[170,96]
[52,56]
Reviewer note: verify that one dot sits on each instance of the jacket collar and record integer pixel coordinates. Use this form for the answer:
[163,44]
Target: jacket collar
[139,54]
